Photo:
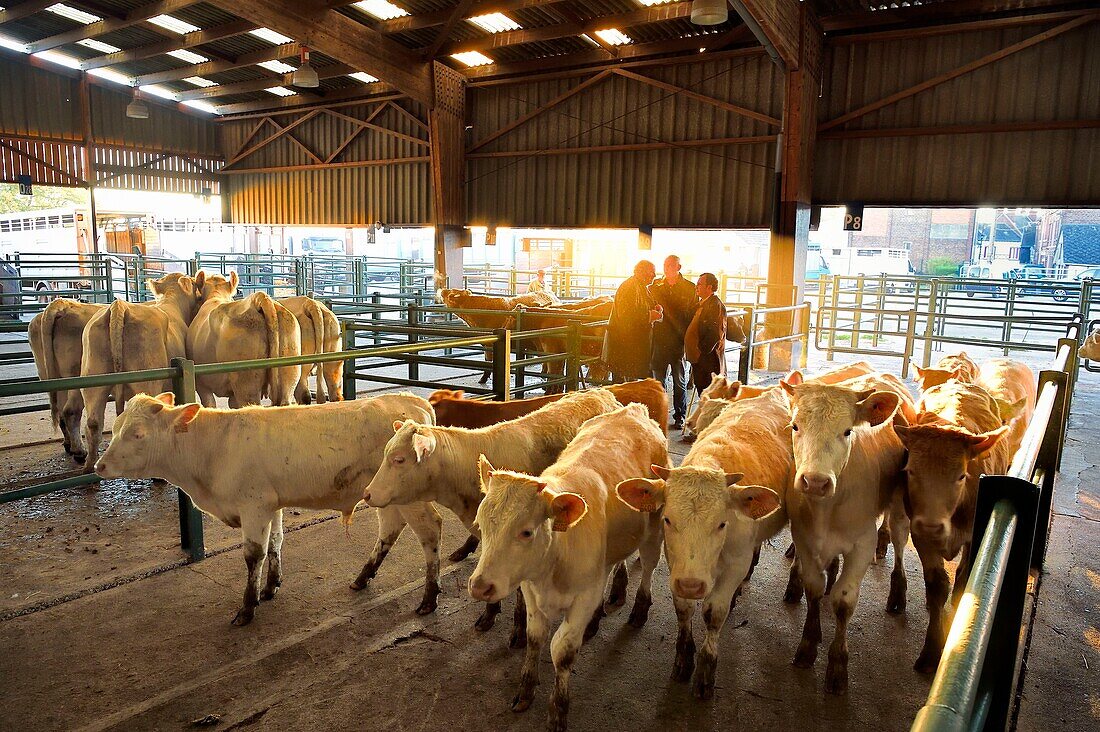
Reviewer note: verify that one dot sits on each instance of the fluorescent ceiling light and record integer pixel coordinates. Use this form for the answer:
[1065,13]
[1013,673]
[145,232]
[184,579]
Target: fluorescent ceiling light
[98,46]
[280,91]
[189,56]
[12,44]
[200,81]
[67,11]
[651,3]
[472,58]
[363,77]
[266,34]
[59,58]
[174,24]
[614,37]
[158,91]
[589,38]
[201,105]
[111,75]
[381,9]
[278,67]
[495,22]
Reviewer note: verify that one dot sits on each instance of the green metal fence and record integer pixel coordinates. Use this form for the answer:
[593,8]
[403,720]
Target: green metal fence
[974,685]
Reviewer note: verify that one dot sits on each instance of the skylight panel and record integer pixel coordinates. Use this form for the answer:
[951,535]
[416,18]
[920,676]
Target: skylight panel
[189,56]
[201,105]
[614,37]
[363,77]
[472,58]
[266,34]
[174,24]
[158,91]
[67,11]
[651,3]
[278,67]
[495,23]
[111,75]
[98,46]
[280,91]
[200,81]
[381,9]
[12,44]
[59,58]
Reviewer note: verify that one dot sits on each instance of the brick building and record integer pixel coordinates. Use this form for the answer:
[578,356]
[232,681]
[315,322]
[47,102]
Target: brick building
[927,233]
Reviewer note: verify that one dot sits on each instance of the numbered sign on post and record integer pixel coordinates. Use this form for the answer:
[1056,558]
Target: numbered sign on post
[25,186]
[853,217]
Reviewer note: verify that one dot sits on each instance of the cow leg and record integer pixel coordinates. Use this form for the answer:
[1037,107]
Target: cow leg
[830,574]
[301,389]
[936,589]
[812,575]
[256,530]
[468,547]
[95,402]
[489,367]
[793,593]
[716,609]
[899,537]
[885,530]
[428,525]
[593,626]
[685,641]
[563,650]
[755,561]
[274,558]
[617,597]
[650,552]
[537,625]
[790,553]
[71,414]
[845,596]
[391,523]
[962,576]
[333,374]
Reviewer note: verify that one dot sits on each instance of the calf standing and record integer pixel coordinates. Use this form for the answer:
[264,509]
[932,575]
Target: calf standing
[1014,387]
[558,535]
[320,334]
[425,463]
[318,457]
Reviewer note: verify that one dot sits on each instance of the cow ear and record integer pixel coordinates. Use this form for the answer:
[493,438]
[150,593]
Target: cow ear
[902,431]
[157,286]
[234,279]
[642,495]
[398,424]
[661,471]
[983,443]
[795,378]
[566,509]
[423,445]
[754,501]
[485,471]
[200,279]
[458,394]
[787,386]
[166,397]
[732,478]
[1010,411]
[185,415]
[732,390]
[877,408]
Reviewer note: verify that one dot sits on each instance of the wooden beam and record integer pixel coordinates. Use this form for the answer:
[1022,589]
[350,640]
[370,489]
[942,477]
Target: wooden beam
[340,37]
[727,106]
[591,81]
[968,129]
[188,40]
[119,171]
[642,15]
[960,71]
[109,25]
[292,105]
[23,9]
[778,25]
[356,132]
[438,17]
[49,166]
[209,92]
[444,33]
[630,147]
[280,131]
[409,116]
[368,124]
[905,34]
[331,166]
[275,53]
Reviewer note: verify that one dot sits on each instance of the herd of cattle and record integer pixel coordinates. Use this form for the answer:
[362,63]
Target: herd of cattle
[559,491]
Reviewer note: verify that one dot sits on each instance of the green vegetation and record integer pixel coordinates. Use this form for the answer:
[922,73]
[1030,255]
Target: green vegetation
[44,197]
[943,266]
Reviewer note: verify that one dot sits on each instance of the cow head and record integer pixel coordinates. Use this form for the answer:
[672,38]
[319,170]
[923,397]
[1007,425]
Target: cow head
[517,519]
[409,464]
[442,395]
[220,288]
[938,473]
[928,378]
[962,366]
[823,423]
[702,511]
[137,448]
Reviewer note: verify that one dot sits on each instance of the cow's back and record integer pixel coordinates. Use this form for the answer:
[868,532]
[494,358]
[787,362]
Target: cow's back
[647,392]
[472,414]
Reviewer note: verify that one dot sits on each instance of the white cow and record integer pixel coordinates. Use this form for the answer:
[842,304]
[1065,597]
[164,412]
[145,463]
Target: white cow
[425,463]
[56,341]
[713,527]
[256,327]
[320,334]
[848,463]
[129,337]
[558,536]
[318,457]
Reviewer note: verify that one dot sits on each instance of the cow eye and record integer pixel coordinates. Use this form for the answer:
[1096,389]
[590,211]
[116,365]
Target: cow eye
[794,427]
[526,534]
[721,525]
[398,459]
[962,477]
[847,433]
[667,522]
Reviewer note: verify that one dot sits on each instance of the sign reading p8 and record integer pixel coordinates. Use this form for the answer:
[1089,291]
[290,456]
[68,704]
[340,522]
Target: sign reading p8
[853,217]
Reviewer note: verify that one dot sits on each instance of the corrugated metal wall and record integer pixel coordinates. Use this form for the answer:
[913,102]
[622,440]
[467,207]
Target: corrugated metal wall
[34,102]
[363,191]
[1058,79]
[714,186]
[166,129]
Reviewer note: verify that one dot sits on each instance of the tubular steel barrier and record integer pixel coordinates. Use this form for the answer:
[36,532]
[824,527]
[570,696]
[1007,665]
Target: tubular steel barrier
[974,685]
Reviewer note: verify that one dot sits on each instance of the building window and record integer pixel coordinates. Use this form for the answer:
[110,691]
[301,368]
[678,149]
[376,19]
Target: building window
[949,231]
[836,252]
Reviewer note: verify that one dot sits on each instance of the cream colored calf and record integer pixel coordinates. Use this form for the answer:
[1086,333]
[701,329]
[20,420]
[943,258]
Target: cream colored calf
[320,334]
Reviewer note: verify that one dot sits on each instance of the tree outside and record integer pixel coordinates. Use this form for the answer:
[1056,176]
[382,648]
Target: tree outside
[45,197]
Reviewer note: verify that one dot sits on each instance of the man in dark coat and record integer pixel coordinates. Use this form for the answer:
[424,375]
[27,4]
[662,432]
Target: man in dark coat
[677,299]
[629,328]
[705,344]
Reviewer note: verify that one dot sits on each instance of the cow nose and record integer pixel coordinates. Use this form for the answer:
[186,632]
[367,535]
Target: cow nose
[480,589]
[690,588]
[366,496]
[926,527]
[100,466]
[816,484]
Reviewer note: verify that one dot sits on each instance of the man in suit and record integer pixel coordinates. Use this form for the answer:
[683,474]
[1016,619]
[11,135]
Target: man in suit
[677,299]
[705,343]
[628,339]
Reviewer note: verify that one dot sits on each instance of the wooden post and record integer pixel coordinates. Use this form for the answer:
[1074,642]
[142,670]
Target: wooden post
[87,155]
[447,131]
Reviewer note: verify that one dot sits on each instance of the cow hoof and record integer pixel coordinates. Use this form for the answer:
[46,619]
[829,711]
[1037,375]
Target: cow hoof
[806,655]
[702,689]
[683,667]
[927,662]
[789,554]
[793,595]
[68,447]
[79,457]
[640,613]
[836,679]
[358,584]
[464,551]
[518,639]
[160,483]
[270,592]
[521,703]
[427,607]
[485,621]
[244,616]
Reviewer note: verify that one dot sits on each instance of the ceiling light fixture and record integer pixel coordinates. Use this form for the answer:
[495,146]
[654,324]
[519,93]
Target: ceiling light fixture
[305,75]
[137,109]
[709,12]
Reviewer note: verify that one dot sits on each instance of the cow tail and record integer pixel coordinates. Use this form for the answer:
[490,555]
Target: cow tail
[266,307]
[49,361]
[313,310]
[116,322]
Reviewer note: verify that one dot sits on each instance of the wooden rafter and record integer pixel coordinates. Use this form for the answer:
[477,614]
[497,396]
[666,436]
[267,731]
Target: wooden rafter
[275,53]
[915,15]
[960,71]
[280,131]
[457,14]
[438,17]
[966,129]
[23,9]
[410,116]
[220,90]
[49,166]
[188,40]
[110,24]
[689,94]
[377,128]
[330,166]
[129,147]
[356,132]
[628,147]
[904,34]
[294,105]
[249,137]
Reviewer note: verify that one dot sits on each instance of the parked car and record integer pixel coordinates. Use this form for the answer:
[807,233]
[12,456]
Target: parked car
[10,290]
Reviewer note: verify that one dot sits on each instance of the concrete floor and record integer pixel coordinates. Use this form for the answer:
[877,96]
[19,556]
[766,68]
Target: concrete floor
[102,627]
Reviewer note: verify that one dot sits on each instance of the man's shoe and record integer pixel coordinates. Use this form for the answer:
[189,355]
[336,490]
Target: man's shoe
[678,424]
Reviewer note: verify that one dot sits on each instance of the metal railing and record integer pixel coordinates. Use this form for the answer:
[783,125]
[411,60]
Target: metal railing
[975,683]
